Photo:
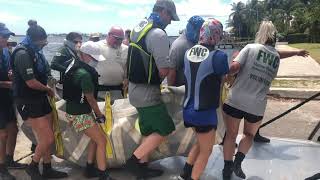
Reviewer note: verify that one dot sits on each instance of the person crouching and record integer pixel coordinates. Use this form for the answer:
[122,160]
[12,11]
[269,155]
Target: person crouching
[82,111]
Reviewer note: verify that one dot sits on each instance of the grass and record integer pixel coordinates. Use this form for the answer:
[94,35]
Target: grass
[313,48]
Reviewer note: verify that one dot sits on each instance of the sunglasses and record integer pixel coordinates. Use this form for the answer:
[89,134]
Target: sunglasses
[117,37]
[76,42]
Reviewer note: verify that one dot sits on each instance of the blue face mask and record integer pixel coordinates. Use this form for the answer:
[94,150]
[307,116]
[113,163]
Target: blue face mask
[155,17]
[28,42]
[41,60]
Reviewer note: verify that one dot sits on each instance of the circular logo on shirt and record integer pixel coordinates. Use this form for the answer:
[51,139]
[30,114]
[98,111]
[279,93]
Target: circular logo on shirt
[198,53]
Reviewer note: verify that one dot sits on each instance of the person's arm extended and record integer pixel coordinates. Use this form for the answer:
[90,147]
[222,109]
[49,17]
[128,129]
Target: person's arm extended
[93,104]
[170,73]
[286,54]
[6,84]
[234,68]
[36,85]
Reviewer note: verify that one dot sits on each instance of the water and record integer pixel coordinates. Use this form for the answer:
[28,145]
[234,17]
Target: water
[56,41]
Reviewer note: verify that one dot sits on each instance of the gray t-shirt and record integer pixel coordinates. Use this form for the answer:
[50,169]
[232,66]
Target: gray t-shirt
[177,52]
[158,44]
[259,65]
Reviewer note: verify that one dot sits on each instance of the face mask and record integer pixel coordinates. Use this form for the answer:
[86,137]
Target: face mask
[155,17]
[93,63]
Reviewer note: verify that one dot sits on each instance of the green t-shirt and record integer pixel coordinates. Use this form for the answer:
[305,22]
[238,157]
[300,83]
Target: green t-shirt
[83,79]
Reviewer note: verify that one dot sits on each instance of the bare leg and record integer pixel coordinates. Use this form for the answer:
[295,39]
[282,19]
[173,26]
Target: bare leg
[150,144]
[47,155]
[98,137]
[92,149]
[193,154]
[250,129]
[3,142]
[12,138]
[232,128]
[43,131]
[144,158]
[206,142]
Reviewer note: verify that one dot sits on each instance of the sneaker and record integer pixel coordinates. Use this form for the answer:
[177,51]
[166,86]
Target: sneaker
[105,176]
[15,165]
[226,174]
[34,173]
[260,139]
[141,171]
[50,173]
[5,175]
[238,172]
[91,171]
[314,177]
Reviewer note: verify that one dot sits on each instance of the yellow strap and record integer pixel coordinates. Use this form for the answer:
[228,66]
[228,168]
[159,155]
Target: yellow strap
[150,60]
[144,31]
[107,126]
[125,93]
[139,47]
[56,128]
[224,93]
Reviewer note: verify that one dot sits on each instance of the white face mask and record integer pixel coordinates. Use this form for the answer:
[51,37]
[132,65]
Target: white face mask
[93,63]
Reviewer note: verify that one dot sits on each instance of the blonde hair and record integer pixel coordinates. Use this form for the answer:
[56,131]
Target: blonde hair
[267,31]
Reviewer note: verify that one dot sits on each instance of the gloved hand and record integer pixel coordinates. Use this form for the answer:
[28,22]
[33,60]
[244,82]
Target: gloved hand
[101,119]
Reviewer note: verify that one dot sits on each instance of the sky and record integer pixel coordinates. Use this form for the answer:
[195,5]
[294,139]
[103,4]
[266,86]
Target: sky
[87,16]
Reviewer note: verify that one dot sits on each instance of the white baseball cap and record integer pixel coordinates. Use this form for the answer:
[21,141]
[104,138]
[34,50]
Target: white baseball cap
[91,48]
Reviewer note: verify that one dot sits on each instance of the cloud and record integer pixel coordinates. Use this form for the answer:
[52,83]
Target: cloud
[139,12]
[216,8]
[135,2]
[84,5]
[9,18]
[20,3]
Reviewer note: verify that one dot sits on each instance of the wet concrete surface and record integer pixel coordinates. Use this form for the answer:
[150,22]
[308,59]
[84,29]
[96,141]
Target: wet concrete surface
[296,125]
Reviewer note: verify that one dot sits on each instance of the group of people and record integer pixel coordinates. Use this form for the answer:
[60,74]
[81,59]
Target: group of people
[138,64]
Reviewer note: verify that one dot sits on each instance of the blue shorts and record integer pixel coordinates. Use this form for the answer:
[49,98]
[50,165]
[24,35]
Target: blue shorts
[202,121]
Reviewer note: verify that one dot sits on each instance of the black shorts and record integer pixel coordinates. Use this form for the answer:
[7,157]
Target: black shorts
[7,115]
[200,129]
[34,109]
[236,113]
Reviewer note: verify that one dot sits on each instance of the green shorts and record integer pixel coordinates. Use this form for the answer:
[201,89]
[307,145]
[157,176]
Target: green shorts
[81,122]
[155,119]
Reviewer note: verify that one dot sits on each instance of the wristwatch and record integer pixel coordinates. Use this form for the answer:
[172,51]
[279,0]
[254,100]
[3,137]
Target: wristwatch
[101,119]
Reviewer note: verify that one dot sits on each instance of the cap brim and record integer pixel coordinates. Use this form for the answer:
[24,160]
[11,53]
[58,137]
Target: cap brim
[175,17]
[7,32]
[98,57]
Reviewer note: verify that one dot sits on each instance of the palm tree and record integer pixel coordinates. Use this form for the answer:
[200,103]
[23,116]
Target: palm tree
[236,17]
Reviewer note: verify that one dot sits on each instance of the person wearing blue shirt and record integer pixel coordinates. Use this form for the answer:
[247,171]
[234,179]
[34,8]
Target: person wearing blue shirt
[204,69]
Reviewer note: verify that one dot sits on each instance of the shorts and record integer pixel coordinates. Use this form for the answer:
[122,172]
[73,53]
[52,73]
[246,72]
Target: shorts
[200,129]
[81,122]
[155,119]
[236,113]
[7,115]
[202,121]
[34,109]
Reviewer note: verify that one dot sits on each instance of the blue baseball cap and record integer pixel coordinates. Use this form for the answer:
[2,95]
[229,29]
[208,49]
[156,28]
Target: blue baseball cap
[4,31]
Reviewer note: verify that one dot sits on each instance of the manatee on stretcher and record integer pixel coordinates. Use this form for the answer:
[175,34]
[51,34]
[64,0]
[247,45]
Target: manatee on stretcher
[124,136]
